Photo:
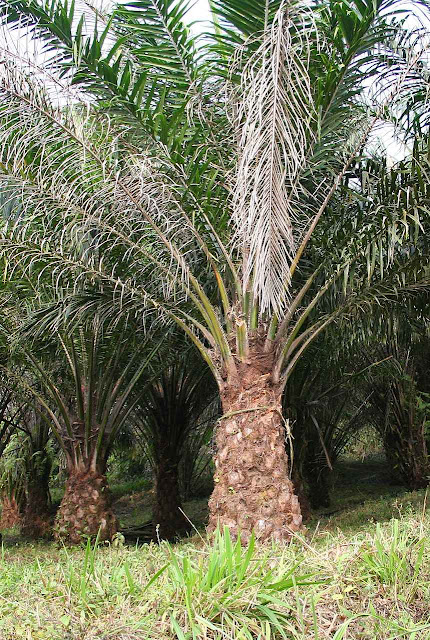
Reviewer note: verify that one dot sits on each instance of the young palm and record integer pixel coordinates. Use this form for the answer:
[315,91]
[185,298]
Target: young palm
[25,469]
[37,457]
[87,394]
[398,408]
[207,181]
[166,415]
[320,403]
[12,485]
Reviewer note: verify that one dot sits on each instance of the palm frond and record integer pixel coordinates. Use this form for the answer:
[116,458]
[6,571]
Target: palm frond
[274,116]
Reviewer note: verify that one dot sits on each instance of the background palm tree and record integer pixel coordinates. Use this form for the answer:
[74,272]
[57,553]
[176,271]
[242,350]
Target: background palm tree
[319,401]
[209,184]
[12,485]
[36,453]
[167,413]
[398,408]
[98,376]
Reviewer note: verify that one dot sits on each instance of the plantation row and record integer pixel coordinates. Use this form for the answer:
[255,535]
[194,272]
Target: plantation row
[207,256]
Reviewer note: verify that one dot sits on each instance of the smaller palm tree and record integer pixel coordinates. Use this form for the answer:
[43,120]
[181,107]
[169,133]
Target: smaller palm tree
[37,453]
[97,380]
[12,486]
[398,407]
[168,412]
[196,468]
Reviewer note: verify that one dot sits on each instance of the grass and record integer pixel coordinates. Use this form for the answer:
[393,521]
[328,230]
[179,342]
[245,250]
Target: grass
[362,581]
[363,495]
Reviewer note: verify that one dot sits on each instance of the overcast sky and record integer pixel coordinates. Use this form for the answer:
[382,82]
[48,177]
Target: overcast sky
[200,10]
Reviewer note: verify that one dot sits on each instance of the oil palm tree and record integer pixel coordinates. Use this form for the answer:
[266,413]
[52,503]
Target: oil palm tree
[212,182]
[398,408]
[167,413]
[36,454]
[325,409]
[87,395]
[195,469]
[25,468]
[12,487]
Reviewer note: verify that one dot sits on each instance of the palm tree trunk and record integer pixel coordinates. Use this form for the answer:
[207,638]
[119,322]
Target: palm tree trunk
[253,491]
[37,518]
[167,516]
[11,512]
[86,508]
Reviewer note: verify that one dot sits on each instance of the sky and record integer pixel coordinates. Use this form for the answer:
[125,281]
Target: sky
[200,10]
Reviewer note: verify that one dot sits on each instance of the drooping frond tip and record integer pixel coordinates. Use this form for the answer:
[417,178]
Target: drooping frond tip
[274,115]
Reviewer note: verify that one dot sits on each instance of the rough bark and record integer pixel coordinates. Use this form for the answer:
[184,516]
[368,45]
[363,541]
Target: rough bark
[11,513]
[37,518]
[253,491]
[86,509]
[167,516]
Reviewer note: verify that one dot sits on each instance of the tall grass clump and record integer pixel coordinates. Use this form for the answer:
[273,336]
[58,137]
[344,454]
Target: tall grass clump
[396,556]
[230,591]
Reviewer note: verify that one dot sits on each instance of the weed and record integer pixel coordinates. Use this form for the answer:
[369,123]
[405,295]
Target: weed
[391,558]
[231,589]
